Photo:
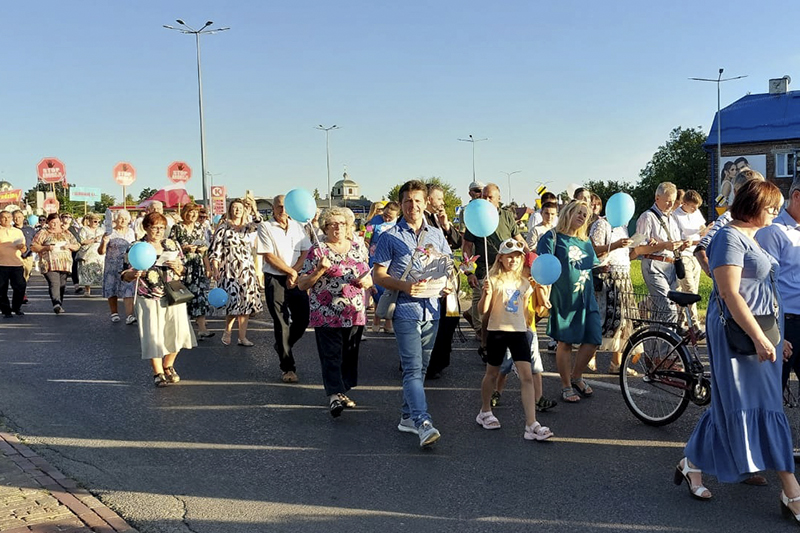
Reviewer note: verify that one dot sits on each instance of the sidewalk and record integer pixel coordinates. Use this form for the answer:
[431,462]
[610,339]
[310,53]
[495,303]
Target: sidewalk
[34,496]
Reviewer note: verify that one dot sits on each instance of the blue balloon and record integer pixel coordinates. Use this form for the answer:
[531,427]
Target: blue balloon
[546,269]
[216,219]
[481,217]
[619,209]
[300,205]
[217,297]
[142,255]
[33,220]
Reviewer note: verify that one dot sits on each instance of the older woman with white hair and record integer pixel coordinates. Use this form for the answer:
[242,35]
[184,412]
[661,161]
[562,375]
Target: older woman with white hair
[335,271]
[113,245]
[90,262]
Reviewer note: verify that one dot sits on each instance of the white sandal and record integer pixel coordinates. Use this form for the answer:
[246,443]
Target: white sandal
[487,420]
[537,432]
[785,510]
[682,472]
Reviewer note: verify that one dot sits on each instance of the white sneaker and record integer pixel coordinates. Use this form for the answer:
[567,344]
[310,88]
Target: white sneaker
[115,317]
[130,320]
[406,425]
[428,434]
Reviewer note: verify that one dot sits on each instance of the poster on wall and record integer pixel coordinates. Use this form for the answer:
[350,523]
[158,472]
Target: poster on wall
[732,166]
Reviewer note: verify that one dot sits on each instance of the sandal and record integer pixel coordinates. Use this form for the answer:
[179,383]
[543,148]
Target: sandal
[171,375]
[586,391]
[682,472]
[347,402]
[537,432]
[226,338]
[543,404]
[569,395]
[115,317]
[160,380]
[487,420]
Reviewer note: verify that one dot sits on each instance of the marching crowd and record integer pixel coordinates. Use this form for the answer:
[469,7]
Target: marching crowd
[325,275]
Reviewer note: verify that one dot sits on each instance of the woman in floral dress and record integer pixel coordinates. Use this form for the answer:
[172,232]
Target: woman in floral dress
[190,236]
[335,271]
[90,262]
[574,316]
[113,246]
[233,267]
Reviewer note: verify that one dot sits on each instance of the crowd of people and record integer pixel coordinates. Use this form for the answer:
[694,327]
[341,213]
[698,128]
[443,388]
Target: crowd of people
[326,275]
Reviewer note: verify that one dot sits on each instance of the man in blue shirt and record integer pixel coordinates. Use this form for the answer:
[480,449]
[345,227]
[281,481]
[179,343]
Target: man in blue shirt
[782,241]
[416,319]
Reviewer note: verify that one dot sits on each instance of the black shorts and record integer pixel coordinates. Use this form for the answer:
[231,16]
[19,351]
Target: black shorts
[517,343]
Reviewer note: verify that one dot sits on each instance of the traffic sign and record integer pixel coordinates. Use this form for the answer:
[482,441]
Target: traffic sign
[218,194]
[51,170]
[51,205]
[179,172]
[124,174]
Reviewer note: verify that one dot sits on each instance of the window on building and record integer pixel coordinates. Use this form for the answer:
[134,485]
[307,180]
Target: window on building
[784,165]
[349,191]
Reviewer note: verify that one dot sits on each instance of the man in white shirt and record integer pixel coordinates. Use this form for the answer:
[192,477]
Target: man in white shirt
[692,226]
[283,244]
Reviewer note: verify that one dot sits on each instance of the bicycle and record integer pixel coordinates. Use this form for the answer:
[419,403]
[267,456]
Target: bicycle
[661,370]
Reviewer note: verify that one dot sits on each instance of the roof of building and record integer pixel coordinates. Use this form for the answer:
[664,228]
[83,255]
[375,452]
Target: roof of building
[759,118]
[346,181]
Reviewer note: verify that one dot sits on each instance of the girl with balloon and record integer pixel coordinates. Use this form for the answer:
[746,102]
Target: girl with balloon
[504,301]
[574,316]
[163,329]
[233,267]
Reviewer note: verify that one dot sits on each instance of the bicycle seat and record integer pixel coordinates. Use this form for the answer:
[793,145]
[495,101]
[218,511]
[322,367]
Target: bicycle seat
[683,298]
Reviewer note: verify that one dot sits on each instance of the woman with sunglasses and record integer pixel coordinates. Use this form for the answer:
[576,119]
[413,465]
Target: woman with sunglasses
[574,316]
[90,262]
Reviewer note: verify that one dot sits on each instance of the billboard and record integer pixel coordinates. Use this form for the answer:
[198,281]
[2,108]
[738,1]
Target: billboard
[732,166]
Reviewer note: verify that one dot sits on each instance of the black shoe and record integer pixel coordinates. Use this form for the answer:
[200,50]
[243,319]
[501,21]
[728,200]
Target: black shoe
[336,408]
[79,290]
[432,375]
[8,315]
[19,312]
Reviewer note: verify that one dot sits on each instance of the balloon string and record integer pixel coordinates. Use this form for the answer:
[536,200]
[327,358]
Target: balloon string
[486,257]
[136,290]
[313,233]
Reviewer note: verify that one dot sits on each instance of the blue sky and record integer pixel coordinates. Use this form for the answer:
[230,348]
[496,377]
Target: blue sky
[564,92]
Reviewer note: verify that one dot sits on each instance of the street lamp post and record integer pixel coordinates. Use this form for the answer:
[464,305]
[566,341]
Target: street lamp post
[205,30]
[718,81]
[473,141]
[508,175]
[328,154]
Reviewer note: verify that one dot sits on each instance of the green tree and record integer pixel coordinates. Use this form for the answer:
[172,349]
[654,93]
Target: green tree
[681,160]
[106,201]
[316,194]
[606,189]
[130,200]
[451,199]
[146,193]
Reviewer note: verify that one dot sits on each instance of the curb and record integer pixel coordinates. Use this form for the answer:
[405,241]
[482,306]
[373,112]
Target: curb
[79,501]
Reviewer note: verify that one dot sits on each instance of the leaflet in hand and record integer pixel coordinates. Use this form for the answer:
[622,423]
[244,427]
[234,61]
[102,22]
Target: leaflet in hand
[165,257]
[435,269]
[637,240]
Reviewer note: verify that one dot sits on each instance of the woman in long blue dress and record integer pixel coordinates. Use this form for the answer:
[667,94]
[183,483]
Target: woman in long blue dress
[745,430]
[574,316]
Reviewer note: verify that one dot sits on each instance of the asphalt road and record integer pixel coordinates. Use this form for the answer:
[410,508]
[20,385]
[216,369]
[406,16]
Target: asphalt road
[231,449]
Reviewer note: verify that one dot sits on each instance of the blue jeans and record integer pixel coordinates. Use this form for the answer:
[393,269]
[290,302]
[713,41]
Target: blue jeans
[415,340]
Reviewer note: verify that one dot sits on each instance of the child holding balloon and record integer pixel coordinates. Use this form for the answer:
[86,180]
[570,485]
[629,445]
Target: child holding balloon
[504,299]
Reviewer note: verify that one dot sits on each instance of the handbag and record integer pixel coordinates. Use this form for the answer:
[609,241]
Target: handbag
[388,300]
[176,292]
[739,341]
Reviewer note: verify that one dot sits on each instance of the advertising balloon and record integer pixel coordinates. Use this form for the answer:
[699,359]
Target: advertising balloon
[217,297]
[546,269]
[300,205]
[619,209]
[142,255]
[481,217]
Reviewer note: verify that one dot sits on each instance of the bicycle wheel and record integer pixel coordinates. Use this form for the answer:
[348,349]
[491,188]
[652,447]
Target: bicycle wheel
[657,393]
[791,406]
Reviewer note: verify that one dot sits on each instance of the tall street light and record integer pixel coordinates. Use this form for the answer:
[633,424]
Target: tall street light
[473,141]
[508,175]
[205,30]
[328,154]
[718,81]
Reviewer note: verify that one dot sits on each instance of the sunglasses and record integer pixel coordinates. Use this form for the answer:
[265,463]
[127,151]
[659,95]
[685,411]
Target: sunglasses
[513,245]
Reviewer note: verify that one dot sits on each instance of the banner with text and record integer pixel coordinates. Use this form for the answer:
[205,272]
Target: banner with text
[84,194]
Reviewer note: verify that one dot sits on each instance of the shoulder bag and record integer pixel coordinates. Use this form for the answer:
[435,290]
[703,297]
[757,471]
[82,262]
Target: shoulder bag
[739,341]
[388,300]
[176,292]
